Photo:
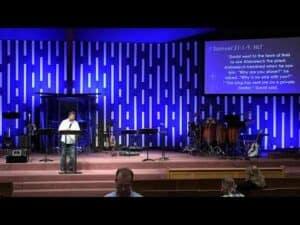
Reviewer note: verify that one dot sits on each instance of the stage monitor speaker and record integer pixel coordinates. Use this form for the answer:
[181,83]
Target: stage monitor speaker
[17,156]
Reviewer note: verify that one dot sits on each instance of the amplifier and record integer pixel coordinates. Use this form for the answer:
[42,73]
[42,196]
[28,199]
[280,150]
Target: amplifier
[17,156]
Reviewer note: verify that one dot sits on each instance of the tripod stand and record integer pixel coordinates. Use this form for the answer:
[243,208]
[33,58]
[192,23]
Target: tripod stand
[148,131]
[48,133]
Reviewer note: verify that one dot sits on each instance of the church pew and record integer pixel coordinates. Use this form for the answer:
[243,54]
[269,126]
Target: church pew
[214,173]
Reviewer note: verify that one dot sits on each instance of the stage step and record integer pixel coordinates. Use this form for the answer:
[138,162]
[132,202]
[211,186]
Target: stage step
[90,175]
[64,185]
[70,192]
[133,163]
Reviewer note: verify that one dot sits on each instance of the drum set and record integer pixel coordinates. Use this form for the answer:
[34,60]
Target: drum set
[217,137]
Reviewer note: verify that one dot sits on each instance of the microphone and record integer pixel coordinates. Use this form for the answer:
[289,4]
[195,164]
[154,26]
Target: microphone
[70,125]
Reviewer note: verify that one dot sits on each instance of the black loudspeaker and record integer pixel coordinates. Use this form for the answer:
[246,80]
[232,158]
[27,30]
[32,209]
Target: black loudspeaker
[23,141]
[17,156]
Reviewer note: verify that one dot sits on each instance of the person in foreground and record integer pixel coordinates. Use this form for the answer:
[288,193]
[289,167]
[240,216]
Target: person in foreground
[124,179]
[254,180]
[229,188]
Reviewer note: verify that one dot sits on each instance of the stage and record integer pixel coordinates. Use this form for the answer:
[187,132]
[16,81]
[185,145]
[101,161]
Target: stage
[36,178]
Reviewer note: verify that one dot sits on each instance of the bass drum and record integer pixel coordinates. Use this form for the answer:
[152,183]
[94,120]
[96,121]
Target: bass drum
[221,133]
[233,135]
[209,132]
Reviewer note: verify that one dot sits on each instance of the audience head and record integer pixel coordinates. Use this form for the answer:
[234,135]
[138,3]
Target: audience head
[254,175]
[124,179]
[228,185]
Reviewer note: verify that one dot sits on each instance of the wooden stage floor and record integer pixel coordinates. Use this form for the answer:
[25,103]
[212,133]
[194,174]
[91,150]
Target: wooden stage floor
[36,178]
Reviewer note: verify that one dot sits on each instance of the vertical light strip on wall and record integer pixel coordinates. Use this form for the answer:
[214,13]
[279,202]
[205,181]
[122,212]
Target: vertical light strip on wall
[49,80]
[143,97]
[89,54]
[104,111]
[17,92]
[158,85]
[127,50]
[17,121]
[158,51]
[195,81]
[73,60]
[120,115]
[195,53]
[8,47]
[104,53]
[127,84]
[143,70]
[135,112]
[1,82]
[187,126]
[291,117]
[57,79]
[112,48]
[283,130]
[104,80]
[180,81]
[266,139]
[150,81]
[81,78]
[173,137]
[166,62]
[41,69]
[225,105]
[135,54]
[195,104]
[173,85]
[135,81]
[188,96]
[120,62]
[180,115]
[1,114]
[89,80]
[188,70]
[32,107]
[49,53]
[97,68]
[173,50]
[150,55]
[0,51]
[112,85]
[32,53]
[166,116]
[8,83]
[274,116]
[17,60]
[242,107]
[150,111]
[33,80]
[25,84]
[81,48]
[180,54]
[257,117]
[143,126]
[57,48]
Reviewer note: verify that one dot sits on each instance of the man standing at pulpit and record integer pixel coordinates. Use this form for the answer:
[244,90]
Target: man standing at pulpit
[68,142]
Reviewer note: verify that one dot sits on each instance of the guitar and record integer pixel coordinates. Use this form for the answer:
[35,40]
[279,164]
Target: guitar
[253,151]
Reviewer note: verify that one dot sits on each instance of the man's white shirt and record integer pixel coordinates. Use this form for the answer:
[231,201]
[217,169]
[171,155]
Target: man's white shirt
[68,125]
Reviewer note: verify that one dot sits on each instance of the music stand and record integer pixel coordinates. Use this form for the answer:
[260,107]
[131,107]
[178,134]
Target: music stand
[148,131]
[48,132]
[76,133]
[8,142]
[163,157]
[130,133]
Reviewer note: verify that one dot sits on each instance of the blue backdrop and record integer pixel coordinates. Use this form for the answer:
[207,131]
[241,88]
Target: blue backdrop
[142,84]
